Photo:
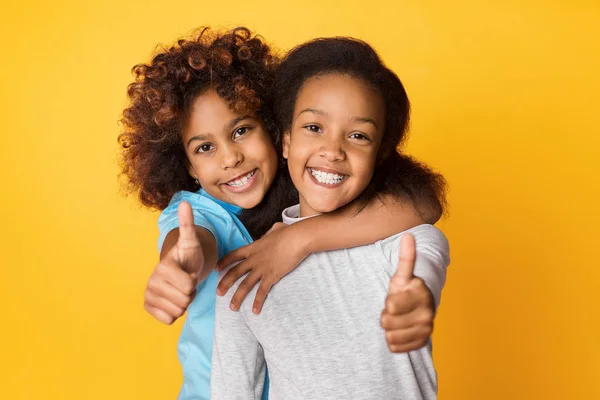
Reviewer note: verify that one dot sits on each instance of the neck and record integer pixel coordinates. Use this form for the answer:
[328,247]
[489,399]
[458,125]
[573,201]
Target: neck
[305,209]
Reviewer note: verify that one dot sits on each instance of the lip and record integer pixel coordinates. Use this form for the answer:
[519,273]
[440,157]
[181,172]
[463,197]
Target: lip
[329,171]
[243,188]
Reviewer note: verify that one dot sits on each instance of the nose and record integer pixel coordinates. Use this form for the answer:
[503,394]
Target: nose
[332,150]
[231,157]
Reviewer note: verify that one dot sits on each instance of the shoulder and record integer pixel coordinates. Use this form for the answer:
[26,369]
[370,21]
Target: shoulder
[201,206]
[426,236]
[205,211]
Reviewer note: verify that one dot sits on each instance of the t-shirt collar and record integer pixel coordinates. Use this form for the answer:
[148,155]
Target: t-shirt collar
[291,215]
[229,207]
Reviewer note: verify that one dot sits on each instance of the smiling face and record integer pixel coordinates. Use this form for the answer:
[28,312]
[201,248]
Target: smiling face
[232,155]
[335,135]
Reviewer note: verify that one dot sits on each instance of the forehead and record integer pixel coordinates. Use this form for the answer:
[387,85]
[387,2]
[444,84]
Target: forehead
[210,108]
[341,94]
[210,114]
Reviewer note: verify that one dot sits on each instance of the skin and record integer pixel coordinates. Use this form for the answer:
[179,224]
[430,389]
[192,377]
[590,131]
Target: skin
[337,128]
[222,146]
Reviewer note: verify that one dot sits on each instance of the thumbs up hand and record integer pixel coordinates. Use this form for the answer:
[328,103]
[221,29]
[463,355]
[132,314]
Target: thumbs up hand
[408,315]
[171,287]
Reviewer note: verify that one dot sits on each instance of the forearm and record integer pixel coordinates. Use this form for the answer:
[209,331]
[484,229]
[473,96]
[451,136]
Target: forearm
[351,227]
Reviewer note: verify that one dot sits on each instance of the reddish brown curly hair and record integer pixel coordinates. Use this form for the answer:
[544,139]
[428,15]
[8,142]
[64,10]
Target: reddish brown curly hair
[237,64]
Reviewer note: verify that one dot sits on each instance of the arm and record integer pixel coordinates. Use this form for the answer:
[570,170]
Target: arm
[238,364]
[349,227]
[279,252]
[188,255]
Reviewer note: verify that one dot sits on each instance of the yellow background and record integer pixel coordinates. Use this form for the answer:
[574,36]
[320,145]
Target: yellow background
[505,98]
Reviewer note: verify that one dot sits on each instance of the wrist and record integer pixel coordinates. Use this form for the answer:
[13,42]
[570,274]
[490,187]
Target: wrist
[301,242]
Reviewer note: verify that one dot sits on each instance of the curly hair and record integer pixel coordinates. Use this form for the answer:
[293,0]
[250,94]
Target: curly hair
[395,174]
[237,64]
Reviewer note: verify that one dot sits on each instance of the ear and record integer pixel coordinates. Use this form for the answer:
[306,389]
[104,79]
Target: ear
[287,136]
[191,170]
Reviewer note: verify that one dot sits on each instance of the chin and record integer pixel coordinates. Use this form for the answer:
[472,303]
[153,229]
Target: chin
[324,207]
[249,202]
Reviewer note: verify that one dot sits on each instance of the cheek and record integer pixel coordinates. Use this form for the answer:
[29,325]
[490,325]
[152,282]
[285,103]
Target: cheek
[202,172]
[365,164]
[264,152]
[271,161]
[296,160]
[204,168]
[301,151]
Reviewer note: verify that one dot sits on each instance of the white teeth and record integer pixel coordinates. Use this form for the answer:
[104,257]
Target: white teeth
[326,178]
[242,181]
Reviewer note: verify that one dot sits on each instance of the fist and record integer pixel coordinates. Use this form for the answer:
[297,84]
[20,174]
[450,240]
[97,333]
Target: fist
[408,315]
[169,291]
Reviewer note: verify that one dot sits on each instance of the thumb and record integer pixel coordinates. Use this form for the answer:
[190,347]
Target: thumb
[187,231]
[187,243]
[406,264]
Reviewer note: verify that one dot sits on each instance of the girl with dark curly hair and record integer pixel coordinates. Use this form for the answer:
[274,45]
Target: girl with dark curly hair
[342,114]
[199,143]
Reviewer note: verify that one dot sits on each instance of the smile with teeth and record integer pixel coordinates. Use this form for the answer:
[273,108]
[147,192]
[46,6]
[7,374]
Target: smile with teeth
[241,181]
[326,178]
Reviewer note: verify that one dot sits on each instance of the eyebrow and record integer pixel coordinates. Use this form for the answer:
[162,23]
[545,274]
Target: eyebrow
[200,137]
[236,121]
[228,126]
[364,120]
[314,111]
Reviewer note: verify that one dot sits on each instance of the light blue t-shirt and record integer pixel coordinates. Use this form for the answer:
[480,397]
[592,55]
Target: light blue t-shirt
[196,340]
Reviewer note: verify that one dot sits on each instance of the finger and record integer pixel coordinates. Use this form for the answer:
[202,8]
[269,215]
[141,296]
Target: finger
[232,257]
[403,340]
[164,289]
[187,231]
[232,276]
[261,295]
[409,346]
[243,289]
[406,264]
[418,317]
[159,314]
[401,303]
[172,273]
[276,226]
[163,304]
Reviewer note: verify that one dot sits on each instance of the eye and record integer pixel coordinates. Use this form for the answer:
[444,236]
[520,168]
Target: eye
[241,131]
[359,136]
[313,128]
[204,148]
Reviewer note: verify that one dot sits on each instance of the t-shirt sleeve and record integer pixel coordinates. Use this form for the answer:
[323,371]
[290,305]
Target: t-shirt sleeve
[168,220]
[432,257]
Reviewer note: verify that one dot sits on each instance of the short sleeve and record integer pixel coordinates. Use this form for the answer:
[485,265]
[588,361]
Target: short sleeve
[168,220]
[432,257]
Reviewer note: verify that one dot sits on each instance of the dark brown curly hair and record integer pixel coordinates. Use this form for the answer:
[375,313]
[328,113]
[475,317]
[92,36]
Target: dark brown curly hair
[237,64]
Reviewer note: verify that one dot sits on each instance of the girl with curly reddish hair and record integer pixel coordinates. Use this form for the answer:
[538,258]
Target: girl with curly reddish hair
[200,144]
